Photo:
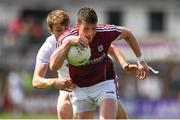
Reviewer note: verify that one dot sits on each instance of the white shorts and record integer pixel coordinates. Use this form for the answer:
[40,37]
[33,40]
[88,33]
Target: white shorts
[89,98]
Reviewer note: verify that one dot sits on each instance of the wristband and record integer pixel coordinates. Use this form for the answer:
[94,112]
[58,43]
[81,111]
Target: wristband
[140,58]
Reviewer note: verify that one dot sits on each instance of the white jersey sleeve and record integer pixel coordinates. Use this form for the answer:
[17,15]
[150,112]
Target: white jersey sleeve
[46,50]
[44,54]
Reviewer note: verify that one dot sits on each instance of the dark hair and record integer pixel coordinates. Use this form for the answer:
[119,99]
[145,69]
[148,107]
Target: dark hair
[87,15]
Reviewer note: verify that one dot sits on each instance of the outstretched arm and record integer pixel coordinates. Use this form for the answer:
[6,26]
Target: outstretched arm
[131,40]
[118,56]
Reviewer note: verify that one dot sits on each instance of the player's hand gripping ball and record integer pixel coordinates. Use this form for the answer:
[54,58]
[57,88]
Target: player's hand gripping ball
[77,56]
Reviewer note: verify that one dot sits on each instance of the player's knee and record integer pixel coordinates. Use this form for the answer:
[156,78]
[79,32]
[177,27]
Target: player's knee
[65,112]
[107,116]
[121,115]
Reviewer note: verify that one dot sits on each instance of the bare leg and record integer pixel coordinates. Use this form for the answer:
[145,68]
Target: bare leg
[64,106]
[121,114]
[108,108]
[85,115]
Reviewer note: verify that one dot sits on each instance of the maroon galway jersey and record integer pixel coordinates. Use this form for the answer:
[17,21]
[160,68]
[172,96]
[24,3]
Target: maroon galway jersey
[99,67]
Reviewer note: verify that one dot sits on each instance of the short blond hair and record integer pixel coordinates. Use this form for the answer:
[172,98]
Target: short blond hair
[57,17]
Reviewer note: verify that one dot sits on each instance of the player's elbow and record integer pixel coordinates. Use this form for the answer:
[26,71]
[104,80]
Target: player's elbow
[53,67]
[126,33]
[34,83]
[53,64]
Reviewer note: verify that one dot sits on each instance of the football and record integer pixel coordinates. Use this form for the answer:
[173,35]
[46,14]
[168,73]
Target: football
[77,56]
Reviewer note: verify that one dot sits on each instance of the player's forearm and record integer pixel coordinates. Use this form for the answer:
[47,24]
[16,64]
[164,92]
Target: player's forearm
[40,82]
[117,55]
[58,56]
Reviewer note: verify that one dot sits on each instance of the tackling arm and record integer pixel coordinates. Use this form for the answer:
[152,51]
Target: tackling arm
[38,78]
[39,81]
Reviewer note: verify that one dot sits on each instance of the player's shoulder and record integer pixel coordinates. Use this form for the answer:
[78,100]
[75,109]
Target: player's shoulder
[106,27]
[51,39]
[71,31]
[47,48]
[50,43]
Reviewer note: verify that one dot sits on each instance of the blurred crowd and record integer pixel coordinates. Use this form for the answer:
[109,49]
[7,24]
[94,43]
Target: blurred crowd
[165,85]
[20,41]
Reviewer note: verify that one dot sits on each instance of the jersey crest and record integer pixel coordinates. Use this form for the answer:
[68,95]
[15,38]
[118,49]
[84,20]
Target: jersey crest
[100,48]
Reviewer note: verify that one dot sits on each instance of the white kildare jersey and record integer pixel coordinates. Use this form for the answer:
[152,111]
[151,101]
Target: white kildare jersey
[44,54]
